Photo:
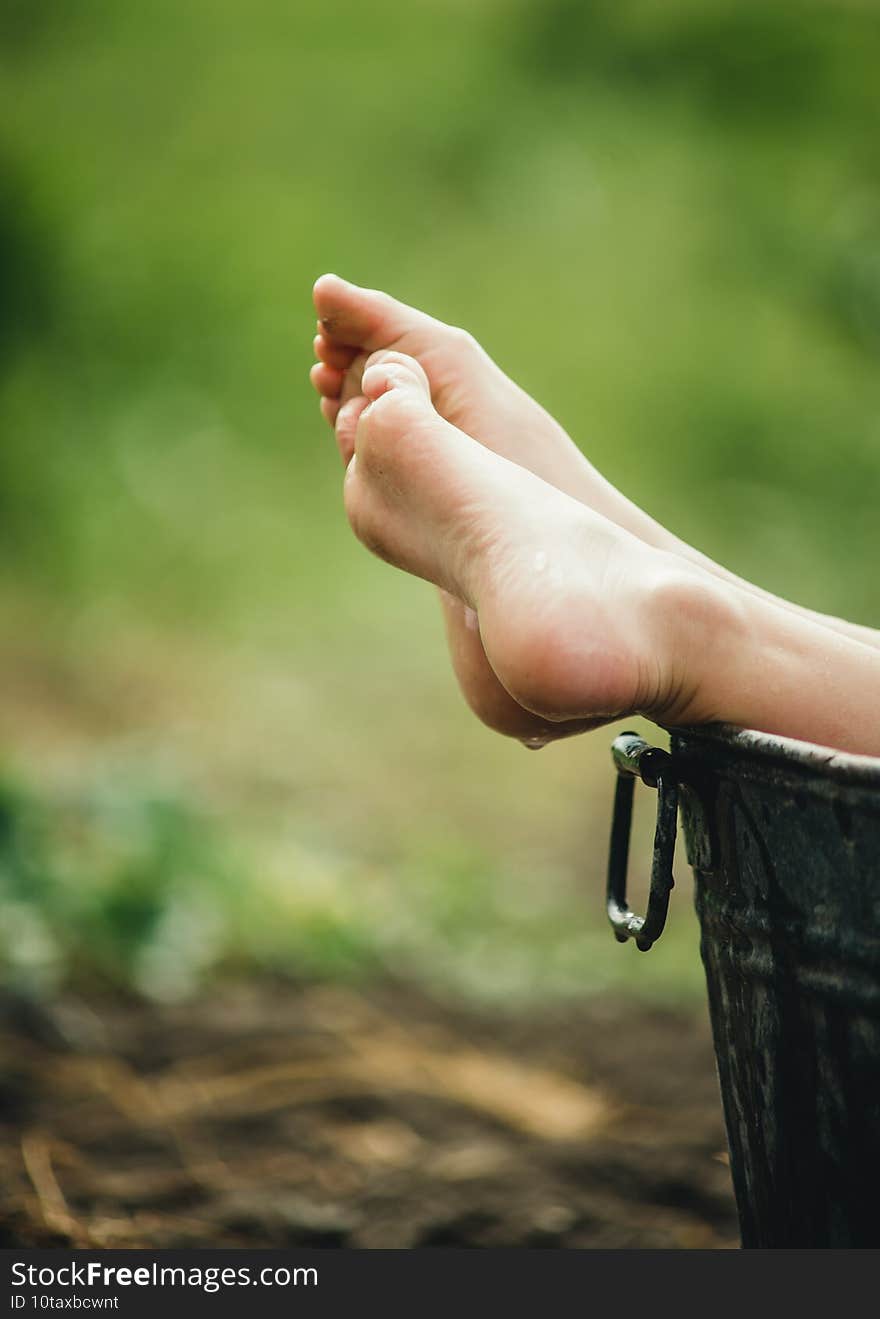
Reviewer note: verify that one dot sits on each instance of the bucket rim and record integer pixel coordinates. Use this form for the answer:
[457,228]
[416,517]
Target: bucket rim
[844,766]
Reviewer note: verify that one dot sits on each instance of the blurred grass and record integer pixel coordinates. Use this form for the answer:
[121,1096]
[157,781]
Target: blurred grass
[663,219]
[123,886]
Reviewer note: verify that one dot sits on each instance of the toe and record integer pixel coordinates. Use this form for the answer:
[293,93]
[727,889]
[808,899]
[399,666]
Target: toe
[330,410]
[386,369]
[364,318]
[351,385]
[346,419]
[327,380]
[335,355]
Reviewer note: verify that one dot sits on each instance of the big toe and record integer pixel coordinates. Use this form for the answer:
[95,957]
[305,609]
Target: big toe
[387,370]
[383,370]
[377,375]
[360,317]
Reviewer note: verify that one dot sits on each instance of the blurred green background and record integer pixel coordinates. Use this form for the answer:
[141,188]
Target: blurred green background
[230,740]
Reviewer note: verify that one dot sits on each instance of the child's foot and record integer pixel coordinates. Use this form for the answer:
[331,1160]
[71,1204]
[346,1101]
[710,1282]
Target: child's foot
[578,619]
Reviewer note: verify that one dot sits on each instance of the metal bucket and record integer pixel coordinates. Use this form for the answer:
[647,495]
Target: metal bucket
[784,841]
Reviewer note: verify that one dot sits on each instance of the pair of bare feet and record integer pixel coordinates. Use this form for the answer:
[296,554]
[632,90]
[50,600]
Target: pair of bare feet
[566,606]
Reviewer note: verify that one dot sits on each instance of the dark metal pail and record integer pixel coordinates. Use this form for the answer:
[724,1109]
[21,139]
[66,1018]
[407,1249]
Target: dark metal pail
[784,841]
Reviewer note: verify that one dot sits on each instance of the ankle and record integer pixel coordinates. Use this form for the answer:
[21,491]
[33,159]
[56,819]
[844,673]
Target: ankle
[696,631]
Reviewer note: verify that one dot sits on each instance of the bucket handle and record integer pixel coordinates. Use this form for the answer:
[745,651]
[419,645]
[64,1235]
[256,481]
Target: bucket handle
[635,758]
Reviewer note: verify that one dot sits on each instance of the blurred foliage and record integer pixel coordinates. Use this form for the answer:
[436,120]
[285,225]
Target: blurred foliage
[753,63]
[28,264]
[662,218]
[120,886]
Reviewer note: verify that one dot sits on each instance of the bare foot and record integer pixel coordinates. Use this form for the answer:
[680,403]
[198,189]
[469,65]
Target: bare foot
[470,391]
[578,619]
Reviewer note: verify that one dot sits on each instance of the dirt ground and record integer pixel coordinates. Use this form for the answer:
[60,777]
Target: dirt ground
[273,1115]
